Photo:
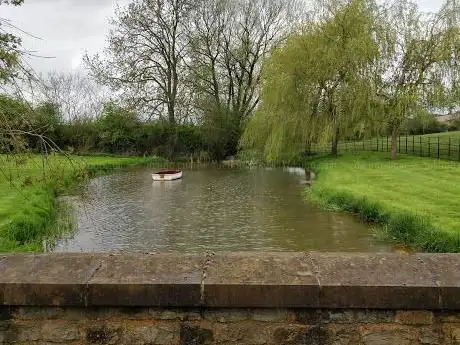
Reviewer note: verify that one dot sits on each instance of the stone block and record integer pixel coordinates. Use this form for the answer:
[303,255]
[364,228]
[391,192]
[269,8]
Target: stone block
[379,335]
[311,316]
[455,335]
[45,279]
[299,335]
[22,332]
[374,281]
[168,334]
[247,333]
[104,334]
[270,315]
[140,335]
[163,280]
[419,317]
[448,317]
[59,331]
[342,335]
[446,272]
[359,316]
[227,315]
[430,336]
[260,280]
[175,314]
[38,313]
[195,335]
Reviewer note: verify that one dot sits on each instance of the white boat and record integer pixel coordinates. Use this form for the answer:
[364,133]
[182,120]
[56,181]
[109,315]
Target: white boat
[167,175]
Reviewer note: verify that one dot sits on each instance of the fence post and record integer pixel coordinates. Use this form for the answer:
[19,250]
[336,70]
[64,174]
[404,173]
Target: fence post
[429,147]
[449,147]
[399,144]
[413,144]
[439,156]
[421,147]
[378,139]
[387,143]
[406,143]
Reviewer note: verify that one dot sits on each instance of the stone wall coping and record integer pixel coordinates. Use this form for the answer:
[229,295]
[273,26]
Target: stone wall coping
[233,280]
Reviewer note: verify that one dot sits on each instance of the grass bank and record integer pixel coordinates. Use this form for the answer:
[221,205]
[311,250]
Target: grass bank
[413,200]
[29,185]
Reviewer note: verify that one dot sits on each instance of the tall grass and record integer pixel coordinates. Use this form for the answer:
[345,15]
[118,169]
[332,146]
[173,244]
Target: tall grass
[413,200]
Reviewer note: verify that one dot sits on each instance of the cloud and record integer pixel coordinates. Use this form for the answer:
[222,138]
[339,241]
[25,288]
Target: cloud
[68,28]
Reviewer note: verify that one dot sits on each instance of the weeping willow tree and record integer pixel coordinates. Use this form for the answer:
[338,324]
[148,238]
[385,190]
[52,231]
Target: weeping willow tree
[412,51]
[446,91]
[418,65]
[317,88]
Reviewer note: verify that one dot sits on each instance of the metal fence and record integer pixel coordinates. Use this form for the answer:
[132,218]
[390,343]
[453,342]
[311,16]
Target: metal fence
[441,147]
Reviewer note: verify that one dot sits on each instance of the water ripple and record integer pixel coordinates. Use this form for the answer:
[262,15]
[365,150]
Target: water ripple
[217,209]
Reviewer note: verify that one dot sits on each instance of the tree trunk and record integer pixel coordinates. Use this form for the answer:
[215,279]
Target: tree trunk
[171,113]
[335,143]
[394,144]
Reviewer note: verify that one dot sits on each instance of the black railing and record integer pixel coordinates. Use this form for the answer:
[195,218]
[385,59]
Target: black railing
[441,147]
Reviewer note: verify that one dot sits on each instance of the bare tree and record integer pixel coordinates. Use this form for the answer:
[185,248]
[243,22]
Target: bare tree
[228,41]
[144,55]
[74,93]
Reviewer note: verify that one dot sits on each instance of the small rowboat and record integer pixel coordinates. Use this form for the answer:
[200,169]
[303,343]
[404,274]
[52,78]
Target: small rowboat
[167,175]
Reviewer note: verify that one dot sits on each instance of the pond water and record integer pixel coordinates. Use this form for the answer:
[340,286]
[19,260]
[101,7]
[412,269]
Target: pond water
[209,209]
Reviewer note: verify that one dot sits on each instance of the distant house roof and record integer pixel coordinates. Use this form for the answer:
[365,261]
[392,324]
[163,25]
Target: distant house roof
[446,117]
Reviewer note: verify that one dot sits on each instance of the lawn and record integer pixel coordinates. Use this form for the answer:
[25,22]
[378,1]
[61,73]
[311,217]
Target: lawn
[415,200]
[29,185]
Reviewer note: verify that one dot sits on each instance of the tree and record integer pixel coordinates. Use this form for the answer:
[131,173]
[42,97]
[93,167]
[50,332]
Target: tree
[19,129]
[75,94]
[144,56]
[9,47]
[13,115]
[118,128]
[415,59]
[316,87]
[46,121]
[228,41]
[12,111]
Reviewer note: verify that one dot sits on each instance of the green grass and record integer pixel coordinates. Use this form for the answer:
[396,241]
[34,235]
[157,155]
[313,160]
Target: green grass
[29,185]
[418,145]
[414,200]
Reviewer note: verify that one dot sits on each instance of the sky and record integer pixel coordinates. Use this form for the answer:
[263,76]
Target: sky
[66,29]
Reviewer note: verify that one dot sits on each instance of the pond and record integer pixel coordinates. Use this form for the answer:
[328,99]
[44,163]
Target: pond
[216,209]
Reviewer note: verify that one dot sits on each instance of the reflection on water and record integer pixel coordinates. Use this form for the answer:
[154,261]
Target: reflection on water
[210,209]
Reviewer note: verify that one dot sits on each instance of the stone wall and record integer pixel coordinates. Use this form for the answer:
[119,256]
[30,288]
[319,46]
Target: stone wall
[143,326]
[240,298]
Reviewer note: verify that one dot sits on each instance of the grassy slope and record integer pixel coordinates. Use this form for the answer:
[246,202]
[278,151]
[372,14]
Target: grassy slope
[445,136]
[28,186]
[415,199]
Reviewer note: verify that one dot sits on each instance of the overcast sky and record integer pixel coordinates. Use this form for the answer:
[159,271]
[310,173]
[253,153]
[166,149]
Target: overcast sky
[68,28]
